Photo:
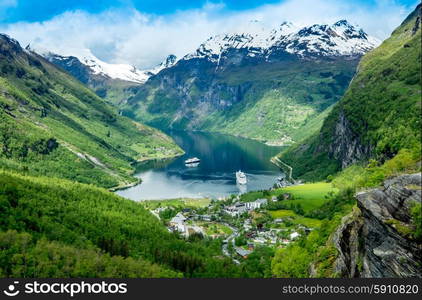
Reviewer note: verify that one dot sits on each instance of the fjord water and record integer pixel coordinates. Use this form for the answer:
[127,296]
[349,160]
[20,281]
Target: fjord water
[221,156]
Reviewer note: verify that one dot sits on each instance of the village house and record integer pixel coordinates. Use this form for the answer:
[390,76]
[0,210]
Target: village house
[285,241]
[286,196]
[240,208]
[247,225]
[294,235]
[236,209]
[251,246]
[259,240]
[242,252]
[206,218]
[256,204]
[177,223]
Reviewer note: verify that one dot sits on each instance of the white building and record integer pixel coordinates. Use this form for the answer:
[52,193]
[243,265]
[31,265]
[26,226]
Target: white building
[294,235]
[242,252]
[178,223]
[236,209]
[256,204]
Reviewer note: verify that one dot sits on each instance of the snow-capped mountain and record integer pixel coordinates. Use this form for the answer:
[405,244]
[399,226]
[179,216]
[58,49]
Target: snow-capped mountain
[254,77]
[256,42]
[340,38]
[114,71]
[170,61]
[96,66]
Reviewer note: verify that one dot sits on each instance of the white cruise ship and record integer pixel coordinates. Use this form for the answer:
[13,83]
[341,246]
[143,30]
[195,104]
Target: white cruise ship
[193,160]
[241,177]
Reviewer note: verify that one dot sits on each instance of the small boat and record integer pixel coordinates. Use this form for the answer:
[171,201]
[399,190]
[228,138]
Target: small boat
[193,160]
[241,177]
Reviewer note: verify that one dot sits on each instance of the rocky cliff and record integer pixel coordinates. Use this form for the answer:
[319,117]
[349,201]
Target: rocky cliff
[377,239]
[357,136]
[346,146]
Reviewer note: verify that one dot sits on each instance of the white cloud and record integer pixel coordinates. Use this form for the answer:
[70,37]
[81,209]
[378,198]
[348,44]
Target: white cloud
[129,36]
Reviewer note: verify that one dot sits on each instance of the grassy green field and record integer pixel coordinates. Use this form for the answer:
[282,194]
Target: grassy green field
[180,202]
[252,196]
[310,196]
[215,228]
[282,213]
[294,218]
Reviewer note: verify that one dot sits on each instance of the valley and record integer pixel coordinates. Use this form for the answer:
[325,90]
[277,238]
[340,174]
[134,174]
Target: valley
[214,176]
[52,125]
[94,180]
[273,87]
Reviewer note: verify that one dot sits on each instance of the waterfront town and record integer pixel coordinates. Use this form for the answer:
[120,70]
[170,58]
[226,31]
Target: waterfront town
[240,223]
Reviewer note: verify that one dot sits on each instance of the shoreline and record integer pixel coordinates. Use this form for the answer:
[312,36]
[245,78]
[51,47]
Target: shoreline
[275,160]
[263,141]
[146,159]
[124,186]
[167,157]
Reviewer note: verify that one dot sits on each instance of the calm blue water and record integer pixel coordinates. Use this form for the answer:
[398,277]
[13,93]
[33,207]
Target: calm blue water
[221,156]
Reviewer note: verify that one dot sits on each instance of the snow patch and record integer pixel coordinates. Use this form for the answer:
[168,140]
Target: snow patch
[340,38]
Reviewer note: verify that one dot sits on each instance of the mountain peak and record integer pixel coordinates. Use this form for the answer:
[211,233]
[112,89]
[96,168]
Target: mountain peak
[123,72]
[342,22]
[340,38]
[9,44]
[169,61]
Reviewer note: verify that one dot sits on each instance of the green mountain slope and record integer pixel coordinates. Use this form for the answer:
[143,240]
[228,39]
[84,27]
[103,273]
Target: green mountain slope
[268,101]
[378,117]
[114,91]
[377,121]
[285,100]
[58,228]
[52,125]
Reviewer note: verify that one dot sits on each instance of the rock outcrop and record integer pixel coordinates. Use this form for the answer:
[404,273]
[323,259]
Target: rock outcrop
[347,147]
[376,239]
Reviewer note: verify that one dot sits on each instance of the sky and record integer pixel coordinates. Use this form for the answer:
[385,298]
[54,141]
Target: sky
[144,32]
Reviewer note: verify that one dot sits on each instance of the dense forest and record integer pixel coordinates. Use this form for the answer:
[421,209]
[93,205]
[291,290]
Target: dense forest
[43,220]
